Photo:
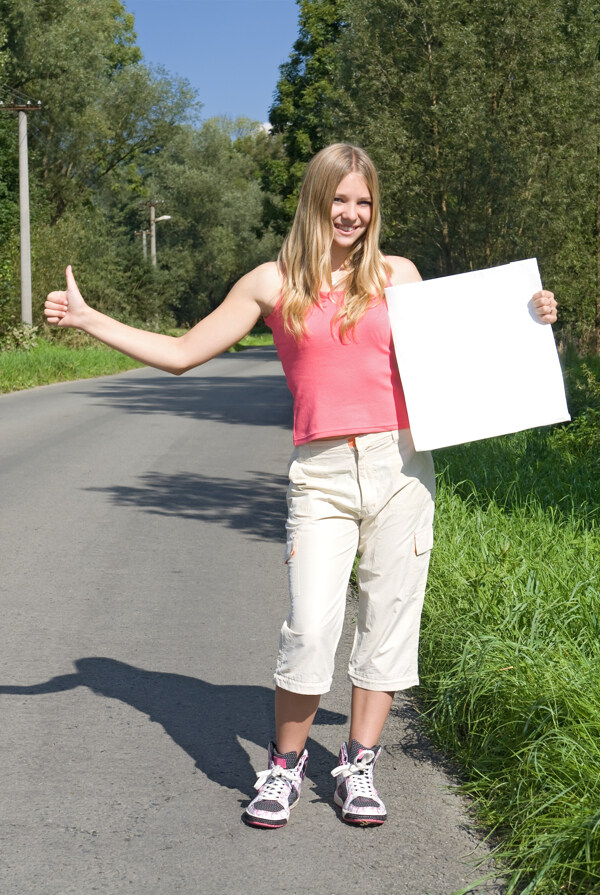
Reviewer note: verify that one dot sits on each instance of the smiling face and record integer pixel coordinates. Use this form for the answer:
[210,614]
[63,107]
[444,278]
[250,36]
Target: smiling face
[351,212]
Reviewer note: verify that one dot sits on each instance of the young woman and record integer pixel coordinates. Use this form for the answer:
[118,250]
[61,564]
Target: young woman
[356,481]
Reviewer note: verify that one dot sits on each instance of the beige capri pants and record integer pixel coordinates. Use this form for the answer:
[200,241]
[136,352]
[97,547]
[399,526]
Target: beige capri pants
[375,494]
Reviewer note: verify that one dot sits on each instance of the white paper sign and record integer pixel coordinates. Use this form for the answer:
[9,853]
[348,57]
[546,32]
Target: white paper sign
[474,359]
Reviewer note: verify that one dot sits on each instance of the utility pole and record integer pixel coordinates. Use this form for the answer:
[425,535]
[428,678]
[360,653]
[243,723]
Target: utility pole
[151,204]
[143,234]
[23,107]
[153,233]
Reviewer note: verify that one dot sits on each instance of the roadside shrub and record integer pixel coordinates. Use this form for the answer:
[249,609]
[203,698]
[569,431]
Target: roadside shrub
[21,336]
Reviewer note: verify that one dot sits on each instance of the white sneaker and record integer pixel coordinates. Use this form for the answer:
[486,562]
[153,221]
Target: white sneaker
[355,792]
[278,788]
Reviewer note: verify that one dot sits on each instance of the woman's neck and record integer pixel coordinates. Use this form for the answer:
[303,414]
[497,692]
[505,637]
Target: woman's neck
[338,258]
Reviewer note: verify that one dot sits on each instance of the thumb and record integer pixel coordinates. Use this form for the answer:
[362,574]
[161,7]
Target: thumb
[72,287]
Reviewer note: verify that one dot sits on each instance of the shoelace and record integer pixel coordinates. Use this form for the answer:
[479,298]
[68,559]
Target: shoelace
[273,787]
[361,771]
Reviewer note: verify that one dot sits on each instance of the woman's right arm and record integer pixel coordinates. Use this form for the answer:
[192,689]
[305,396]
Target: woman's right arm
[251,297]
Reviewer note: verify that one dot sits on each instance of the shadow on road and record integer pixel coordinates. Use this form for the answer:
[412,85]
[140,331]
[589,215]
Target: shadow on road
[255,505]
[205,720]
[415,742]
[249,400]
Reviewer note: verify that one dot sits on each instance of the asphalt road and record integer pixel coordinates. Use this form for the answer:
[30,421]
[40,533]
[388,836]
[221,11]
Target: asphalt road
[141,592]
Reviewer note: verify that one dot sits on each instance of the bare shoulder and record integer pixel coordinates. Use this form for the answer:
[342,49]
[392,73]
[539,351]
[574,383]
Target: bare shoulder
[264,284]
[403,270]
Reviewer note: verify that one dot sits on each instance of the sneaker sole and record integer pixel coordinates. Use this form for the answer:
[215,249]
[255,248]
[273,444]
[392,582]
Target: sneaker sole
[364,821]
[361,820]
[264,824]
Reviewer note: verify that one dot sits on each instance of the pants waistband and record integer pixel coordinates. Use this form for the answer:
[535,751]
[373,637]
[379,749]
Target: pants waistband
[357,443]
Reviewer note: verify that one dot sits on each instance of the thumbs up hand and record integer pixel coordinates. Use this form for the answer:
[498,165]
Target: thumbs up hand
[66,308]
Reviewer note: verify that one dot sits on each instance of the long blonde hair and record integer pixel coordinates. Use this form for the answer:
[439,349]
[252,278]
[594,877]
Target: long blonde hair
[305,259]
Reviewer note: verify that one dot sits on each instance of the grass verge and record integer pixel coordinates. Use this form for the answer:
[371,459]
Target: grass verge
[253,340]
[510,654]
[48,362]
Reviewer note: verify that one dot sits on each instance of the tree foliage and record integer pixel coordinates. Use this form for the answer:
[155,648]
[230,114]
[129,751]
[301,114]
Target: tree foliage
[113,134]
[306,99]
[482,119]
[210,183]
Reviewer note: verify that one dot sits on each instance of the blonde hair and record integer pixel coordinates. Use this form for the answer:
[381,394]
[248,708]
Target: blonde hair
[305,259]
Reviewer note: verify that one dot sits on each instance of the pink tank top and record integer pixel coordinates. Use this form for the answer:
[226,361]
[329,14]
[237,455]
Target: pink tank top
[341,388]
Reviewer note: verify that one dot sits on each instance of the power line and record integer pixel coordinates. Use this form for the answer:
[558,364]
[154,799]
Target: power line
[19,101]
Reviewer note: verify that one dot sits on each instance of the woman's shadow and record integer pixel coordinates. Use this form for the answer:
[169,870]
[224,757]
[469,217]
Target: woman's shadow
[203,719]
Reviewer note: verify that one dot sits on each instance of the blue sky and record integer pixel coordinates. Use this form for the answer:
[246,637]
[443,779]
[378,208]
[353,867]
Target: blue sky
[229,50]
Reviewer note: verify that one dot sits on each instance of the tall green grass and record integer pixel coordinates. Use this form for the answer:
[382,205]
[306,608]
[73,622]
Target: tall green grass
[253,340]
[53,362]
[79,357]
[510,657]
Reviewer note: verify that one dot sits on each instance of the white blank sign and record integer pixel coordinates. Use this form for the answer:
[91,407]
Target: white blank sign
[474,359]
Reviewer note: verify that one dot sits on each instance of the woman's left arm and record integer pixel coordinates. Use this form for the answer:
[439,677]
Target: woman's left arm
[544,305]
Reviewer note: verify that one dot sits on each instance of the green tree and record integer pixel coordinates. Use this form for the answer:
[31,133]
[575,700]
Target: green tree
[209,180]
[482,121]
[8,204]
[101,105]
[104,112]
[305,108]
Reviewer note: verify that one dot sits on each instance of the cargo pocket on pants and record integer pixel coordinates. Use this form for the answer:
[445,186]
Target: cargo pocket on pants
[423,540]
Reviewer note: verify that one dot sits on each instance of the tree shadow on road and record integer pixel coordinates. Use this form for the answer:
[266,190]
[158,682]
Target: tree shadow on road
[251,400]
[203,719]
[255,504]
